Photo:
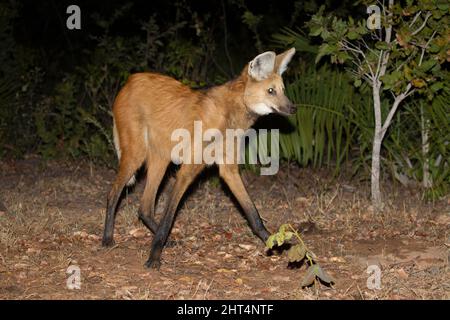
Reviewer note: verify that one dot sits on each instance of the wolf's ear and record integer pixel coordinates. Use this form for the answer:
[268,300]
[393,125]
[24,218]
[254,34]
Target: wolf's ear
[262,66]
[283,59]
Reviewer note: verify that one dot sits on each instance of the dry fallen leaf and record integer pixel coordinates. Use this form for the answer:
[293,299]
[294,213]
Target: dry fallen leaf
[337,259]
[33,250]
[81,234]
[443,219]
[123,293]
[402,273]
[185,279]
[303,200]
[129,288]
[281,278]
[247,246]
[94,237]
[228,235]
[138,233]
[226,270]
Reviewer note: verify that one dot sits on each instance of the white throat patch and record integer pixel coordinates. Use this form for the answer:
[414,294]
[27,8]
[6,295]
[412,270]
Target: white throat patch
[261,108]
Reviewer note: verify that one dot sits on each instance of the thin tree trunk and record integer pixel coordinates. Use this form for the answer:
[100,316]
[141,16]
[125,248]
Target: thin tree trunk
[426,181]
[379,132]
[376,149]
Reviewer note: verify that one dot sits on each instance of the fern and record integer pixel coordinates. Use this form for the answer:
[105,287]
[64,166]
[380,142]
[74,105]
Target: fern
[323,128]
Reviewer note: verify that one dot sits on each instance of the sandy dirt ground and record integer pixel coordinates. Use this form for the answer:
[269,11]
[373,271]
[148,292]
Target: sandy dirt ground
[53,213]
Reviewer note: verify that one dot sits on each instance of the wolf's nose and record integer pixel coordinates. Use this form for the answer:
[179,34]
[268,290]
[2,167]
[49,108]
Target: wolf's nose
[292,108]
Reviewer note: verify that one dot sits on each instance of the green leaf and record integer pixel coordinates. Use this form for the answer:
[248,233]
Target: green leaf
[339,27]
[362,29]
[418,83]
[437,14]
[271,241]
[389,80]
[283,228]
[315,30]
[353,35]
[325,49]
[435,87]
[280,238]
[434,48]
[443,5]
[288,235]
[342,56]
[357,83]
[407,73]
[381,45]
[351,21]
[427,65]
[296,253]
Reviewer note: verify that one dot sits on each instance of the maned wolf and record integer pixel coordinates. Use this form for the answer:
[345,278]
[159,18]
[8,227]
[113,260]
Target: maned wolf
[151,106]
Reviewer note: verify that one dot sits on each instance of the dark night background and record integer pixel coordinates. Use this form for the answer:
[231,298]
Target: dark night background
[48,69]
[41,25]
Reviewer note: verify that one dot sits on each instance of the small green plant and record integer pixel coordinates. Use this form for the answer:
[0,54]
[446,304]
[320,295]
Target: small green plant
[299,252]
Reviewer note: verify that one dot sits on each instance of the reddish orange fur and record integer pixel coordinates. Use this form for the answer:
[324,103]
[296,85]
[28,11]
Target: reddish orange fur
[151,106]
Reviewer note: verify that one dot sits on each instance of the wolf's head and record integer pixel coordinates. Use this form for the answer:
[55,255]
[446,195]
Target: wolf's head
[264,91]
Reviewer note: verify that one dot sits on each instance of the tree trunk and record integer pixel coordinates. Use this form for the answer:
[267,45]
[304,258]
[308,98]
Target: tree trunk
[375,176]
[425,123]
[376,149]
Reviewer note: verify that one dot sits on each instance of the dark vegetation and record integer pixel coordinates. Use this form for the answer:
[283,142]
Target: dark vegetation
[57,85]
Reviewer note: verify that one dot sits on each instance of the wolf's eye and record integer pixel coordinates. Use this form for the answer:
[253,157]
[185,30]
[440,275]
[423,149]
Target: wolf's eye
[271,91]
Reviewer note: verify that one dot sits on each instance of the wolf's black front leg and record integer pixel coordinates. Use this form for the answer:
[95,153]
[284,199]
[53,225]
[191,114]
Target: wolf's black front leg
[230,174]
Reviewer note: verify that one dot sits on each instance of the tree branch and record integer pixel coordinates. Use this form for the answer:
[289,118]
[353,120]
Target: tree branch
[411,56]
[423,24]
[388,41]
[415,18]
[394,108]
[426,46]
[346,45]
[377,74]
[407,91]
